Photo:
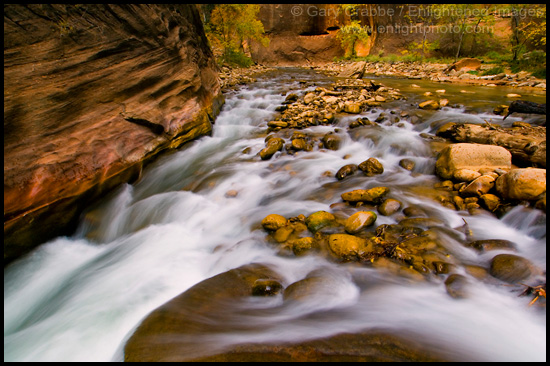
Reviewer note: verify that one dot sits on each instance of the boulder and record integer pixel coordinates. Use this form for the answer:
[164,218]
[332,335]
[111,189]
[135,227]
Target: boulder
[466,64]
[354,70]
[522,184]
[473,157]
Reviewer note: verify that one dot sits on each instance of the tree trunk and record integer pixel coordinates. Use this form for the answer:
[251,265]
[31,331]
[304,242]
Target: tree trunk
[526,144]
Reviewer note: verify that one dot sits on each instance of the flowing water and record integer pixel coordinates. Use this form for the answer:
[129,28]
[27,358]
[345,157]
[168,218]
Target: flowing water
[79,298]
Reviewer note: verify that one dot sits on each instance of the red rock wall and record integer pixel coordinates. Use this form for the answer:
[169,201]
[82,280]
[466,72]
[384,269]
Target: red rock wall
[91,92]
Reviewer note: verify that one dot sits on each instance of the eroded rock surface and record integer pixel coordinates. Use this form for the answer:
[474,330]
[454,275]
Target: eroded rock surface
[91,92]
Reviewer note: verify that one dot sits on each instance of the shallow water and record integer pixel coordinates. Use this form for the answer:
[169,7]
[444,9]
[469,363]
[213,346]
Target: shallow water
[79,298]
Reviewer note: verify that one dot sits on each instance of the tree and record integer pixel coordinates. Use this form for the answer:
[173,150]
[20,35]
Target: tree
[231,24]
[528,26]
[349,34]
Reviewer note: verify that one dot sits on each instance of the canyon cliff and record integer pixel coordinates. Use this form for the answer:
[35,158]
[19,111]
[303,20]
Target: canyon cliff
[305,34]
[92,93]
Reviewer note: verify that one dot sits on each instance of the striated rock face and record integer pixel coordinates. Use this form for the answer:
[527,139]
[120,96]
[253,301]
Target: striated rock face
[299,34]
[91,92]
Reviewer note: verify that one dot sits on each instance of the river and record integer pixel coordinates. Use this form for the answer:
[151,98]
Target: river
[79,298]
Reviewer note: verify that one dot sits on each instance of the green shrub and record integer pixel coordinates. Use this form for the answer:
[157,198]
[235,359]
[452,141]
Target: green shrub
[493,71]
[236,58]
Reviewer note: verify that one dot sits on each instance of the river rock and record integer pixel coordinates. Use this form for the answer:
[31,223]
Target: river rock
[318,220]
[309,97]
[389,207]
[478,186]
[331,141]
[346,247]
[407,164]
[510,268]
[277,124]
[266,287]
[346,170]
[301,245]
[457,286]
[273,222]
[298,144]
[358,221]
[472,157]
[354,70]
[491,244]
[291,98]
[371,167]
[465,175]
[522,184]
[352,107]
[372,195]
[490,201]
[272,146]
[429,105]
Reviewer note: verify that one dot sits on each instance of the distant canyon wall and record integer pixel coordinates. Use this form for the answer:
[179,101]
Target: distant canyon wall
[305,34]
[91,93]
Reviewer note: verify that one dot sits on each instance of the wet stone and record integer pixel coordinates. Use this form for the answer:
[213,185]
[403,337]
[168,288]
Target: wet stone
[371,167]
[318,220]
[266,287]
[389,207]
[345,171]
[491,244]
[456,286]
[359,220]
[510,268]
[273,222]
[407,164]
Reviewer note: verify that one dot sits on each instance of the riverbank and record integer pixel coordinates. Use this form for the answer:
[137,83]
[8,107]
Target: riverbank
[436,72]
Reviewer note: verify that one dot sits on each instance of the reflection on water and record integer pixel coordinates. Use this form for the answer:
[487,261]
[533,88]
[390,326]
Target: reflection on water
[79,298]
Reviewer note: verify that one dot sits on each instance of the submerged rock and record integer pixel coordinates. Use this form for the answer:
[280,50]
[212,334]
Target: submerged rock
[510,268]
[318,220]
[389,207]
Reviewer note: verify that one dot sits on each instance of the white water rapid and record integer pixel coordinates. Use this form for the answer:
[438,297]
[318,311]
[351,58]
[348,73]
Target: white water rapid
[79,298]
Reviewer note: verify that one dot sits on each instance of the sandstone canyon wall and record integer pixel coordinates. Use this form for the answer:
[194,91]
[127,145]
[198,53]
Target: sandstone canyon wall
[91,93]
[305,34]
